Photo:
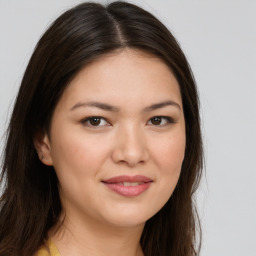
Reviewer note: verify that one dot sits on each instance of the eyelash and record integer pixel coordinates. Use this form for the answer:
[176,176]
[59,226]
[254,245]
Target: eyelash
[169,120]
[86,121]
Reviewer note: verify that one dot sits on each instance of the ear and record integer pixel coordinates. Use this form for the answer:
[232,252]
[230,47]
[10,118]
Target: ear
[43,147]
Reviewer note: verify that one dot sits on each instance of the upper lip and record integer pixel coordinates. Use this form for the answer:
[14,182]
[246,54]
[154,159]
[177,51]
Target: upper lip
[127,178]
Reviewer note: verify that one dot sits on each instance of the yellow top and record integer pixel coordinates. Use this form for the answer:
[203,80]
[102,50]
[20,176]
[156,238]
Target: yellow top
[48,250]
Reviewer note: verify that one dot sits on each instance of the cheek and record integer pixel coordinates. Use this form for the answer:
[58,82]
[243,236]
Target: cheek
[168,156]
[77,155]
[77,162]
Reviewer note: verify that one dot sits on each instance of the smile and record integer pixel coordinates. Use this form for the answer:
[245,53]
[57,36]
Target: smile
[128,186]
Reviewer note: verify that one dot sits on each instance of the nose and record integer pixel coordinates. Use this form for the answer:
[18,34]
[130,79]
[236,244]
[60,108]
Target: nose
[130,147]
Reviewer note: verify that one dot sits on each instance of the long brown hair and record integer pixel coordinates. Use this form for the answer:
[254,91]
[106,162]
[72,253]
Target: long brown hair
[30,204]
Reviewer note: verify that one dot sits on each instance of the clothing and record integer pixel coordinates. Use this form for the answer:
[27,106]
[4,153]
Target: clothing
[49,249]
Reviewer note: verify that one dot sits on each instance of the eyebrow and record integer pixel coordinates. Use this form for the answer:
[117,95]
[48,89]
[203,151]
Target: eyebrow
[108,107]
[96,104]
[161,105]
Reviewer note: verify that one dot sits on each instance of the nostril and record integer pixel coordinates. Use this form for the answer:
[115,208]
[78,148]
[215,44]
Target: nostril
[130,149]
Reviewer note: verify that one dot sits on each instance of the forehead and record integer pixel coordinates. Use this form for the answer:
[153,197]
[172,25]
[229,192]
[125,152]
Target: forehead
[127,76]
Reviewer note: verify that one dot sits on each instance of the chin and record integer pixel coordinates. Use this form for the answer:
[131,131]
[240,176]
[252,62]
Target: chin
[128,223]
[128,217]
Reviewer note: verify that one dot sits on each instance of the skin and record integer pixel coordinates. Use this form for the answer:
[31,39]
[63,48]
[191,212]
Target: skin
[126,141]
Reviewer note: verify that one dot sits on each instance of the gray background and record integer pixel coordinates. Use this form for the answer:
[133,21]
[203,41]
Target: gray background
[219,39]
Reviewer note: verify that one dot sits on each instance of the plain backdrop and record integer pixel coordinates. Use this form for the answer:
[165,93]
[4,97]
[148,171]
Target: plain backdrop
[219,39]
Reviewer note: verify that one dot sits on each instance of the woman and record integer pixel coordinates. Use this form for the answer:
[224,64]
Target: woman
[104,151]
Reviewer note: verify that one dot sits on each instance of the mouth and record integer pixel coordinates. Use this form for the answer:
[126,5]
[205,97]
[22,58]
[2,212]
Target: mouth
[128,186]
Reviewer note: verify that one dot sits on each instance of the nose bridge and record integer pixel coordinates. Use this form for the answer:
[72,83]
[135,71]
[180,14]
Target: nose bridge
[131,147]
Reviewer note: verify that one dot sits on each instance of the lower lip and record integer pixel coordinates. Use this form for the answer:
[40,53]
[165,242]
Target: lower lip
[128,191]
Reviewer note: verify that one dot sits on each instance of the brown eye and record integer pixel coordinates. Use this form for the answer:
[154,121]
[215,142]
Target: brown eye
[161,120]
[95,121]
[156,120]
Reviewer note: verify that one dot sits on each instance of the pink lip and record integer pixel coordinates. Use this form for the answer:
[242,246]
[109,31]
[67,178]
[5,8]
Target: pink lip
[129,191]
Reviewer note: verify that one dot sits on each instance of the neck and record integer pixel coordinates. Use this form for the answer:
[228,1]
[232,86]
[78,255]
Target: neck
[94,238]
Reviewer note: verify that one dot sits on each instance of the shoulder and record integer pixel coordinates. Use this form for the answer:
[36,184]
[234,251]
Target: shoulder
[49,249]
[43,251]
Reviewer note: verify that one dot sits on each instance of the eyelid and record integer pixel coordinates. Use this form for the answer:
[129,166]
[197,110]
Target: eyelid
[168,119]
[85,121]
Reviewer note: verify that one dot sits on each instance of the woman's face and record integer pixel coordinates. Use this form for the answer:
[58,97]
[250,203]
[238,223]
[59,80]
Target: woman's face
[117,140]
